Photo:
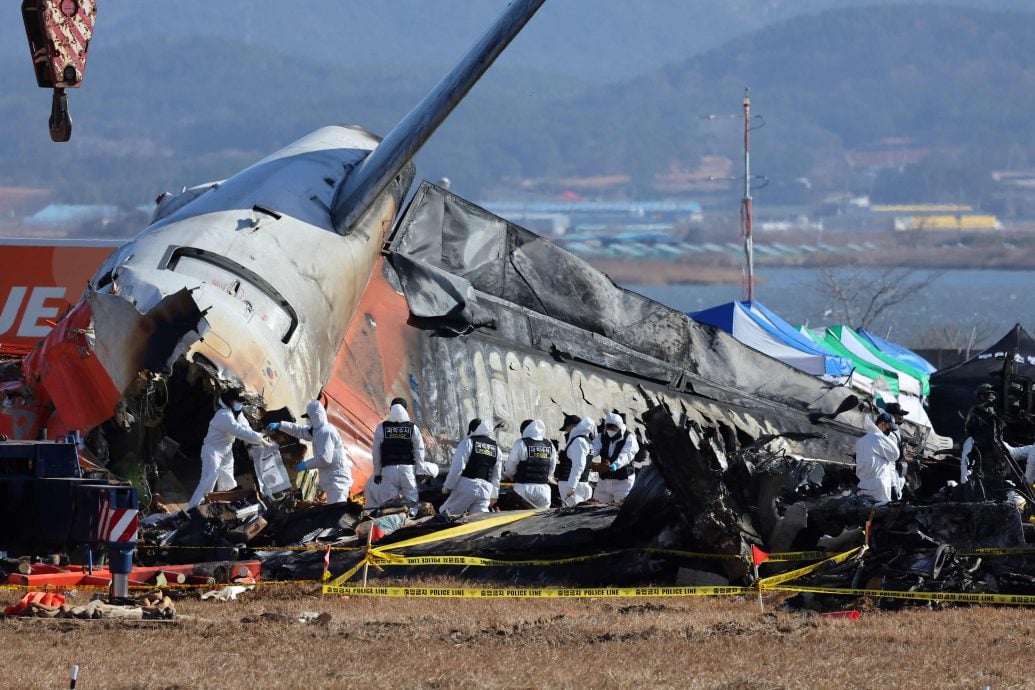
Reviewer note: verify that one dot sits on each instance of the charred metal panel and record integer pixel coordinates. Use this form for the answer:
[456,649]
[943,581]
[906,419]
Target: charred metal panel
[607,324]
[963,525]
[529,363]
[149,342]
[450,379]
[693,464]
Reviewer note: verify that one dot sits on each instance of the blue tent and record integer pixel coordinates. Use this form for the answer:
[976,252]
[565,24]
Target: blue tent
[896,351]
[762,330]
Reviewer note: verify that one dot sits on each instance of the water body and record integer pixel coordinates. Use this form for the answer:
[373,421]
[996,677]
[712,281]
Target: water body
[991,301]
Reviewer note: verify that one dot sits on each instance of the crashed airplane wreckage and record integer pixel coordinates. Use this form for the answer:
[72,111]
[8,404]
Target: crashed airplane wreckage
[279,280]
[463,313]
[299,277]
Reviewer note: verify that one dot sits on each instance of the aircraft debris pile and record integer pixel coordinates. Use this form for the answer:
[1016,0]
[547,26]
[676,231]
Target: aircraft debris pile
[928,545]
[151,606]
[705,494]
[975,548]
[230,523]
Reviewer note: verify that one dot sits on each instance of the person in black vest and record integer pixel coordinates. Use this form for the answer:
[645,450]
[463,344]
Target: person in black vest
[616,448]
[531,461]
[573,466]
[397,448]
[473,483]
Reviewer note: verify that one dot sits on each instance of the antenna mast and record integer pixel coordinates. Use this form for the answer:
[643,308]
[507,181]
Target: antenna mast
[745,209]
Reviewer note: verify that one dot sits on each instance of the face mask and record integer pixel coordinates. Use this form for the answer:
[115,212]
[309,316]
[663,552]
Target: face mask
[611,433]
[238,406]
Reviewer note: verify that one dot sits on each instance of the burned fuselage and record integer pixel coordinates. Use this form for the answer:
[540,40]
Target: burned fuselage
[471,316]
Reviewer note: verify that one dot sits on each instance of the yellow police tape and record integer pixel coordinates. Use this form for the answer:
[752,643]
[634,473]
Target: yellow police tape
[785,557]
[534,592]
[462,530]
[999,551]
[773,581]
[959,597]
[378,558]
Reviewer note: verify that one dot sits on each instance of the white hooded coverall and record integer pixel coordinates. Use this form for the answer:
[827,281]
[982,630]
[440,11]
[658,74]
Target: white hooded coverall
[329,455]
[571,490]
[900,481]
[396,480]
[875,457]
[614,491]
[1025,454]
[468,495]
[217,454]
[968,445]
[536,494]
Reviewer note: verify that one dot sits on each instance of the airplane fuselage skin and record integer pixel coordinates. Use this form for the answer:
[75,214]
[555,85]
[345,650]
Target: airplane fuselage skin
[277,285]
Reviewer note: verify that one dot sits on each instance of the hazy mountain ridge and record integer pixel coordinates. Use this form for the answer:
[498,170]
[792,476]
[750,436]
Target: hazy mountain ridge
[565,36]
[955,82]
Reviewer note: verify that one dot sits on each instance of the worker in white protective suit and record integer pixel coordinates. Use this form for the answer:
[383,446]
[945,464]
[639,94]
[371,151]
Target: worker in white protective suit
[1021,454]
[1025,455]
[473,482]
[217,456]
[615,450]
[397,450]
[898,414]
[875,457]
[329,455]
[530,464]
[573,468]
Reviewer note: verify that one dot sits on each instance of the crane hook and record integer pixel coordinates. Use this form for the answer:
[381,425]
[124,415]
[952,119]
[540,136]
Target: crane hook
[60,120]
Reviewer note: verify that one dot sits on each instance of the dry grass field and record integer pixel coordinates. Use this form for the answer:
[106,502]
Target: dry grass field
[600,643]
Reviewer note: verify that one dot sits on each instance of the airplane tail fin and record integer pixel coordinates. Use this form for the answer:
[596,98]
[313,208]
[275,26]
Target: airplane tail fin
[362,186]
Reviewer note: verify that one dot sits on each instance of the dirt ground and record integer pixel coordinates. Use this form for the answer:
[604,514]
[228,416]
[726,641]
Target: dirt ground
[600,643]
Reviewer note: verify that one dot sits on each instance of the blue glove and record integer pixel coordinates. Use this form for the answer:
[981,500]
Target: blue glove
[614,466]
[300,466]
[272,426]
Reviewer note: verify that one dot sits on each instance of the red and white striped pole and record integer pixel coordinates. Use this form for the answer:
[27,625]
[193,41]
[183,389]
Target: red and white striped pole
[746,209]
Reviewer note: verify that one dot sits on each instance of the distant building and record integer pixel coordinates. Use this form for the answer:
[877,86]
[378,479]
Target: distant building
[560,215]
[978,222]
[959,217]
[921,208]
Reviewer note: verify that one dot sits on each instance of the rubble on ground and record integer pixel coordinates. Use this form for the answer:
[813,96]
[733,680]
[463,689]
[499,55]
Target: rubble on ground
[703,502]
[151,606]
[703,492]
